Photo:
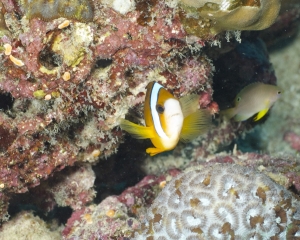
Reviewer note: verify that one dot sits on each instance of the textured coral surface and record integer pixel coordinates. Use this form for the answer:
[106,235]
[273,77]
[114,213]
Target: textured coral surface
[27,226]
[223,201]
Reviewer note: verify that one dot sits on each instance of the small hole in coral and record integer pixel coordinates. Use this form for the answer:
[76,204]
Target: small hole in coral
[47,145]
[103,63]
[6,101]
[49,59]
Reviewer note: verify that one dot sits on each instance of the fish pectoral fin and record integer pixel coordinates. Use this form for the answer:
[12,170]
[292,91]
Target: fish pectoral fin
[261,114]
[137,131]
[154,151]
[195,124]
[189,104]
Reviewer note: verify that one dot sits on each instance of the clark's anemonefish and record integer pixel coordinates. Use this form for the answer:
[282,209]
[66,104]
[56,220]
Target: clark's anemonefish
[168,119]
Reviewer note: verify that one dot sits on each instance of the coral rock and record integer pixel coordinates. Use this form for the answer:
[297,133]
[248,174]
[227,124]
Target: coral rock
[222,201]
[81,10]
[27,226]
[229,15]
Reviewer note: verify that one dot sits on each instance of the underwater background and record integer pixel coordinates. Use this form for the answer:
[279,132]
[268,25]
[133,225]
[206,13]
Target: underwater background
[70,70]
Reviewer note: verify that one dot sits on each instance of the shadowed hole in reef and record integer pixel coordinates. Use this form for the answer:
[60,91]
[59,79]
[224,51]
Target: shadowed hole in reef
[103,63]
[62,214]
[6,101]
[49,59]
[121,170]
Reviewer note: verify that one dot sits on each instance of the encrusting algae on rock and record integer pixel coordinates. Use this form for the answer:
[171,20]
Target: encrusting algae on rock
[81,10]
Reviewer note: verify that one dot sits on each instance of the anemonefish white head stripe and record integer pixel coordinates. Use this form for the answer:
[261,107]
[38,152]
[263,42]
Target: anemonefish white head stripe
[154,112]
[172,114]
[166,121]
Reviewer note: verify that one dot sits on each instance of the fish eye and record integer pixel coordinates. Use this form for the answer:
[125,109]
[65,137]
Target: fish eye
[279,92]
[160,108]
[238,99]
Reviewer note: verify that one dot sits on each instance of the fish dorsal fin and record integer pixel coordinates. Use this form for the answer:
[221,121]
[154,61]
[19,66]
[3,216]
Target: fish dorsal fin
[195,124]
[189,104]
[137,131]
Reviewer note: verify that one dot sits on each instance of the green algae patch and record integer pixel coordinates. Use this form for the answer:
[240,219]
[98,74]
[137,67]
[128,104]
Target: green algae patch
[39,94]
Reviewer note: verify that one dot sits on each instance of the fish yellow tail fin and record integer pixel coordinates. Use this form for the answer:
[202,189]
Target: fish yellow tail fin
[227,113]
[261,114]
[137,131]
[195,124]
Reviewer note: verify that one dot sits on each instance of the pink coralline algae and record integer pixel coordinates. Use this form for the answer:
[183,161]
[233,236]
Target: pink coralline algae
[292,139]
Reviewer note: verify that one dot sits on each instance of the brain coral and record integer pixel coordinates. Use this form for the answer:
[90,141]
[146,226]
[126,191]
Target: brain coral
[222,202]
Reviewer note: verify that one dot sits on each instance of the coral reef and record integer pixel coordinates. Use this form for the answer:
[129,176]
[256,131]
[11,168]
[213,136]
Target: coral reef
[108,218]
[133,204]
[68,76]
[81,10]
[3,27]
[203,17]
[115,217]
[222,201]
[292,139]
[27,226]
[64,84]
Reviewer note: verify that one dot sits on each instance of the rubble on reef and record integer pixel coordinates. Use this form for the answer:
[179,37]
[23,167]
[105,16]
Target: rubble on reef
[67,77]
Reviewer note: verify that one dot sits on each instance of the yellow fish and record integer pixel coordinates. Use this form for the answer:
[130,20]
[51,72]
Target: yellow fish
[254,98]
[168,119]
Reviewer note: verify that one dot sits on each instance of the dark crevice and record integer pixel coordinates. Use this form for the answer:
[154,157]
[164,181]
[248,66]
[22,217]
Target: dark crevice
[103,63]
[6,101]
[49,59]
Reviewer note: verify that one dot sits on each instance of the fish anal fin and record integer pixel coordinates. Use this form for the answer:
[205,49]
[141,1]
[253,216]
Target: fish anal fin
[189,104]
[195,124]
[261,114]
[137,131]
[154,151]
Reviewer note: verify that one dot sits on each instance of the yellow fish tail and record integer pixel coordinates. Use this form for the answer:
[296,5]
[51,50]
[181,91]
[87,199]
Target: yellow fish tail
[154,151]
[261,114]
[195,124]
[137,131]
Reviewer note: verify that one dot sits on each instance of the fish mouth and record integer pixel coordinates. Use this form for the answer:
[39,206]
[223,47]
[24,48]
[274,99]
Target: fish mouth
[175,114]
